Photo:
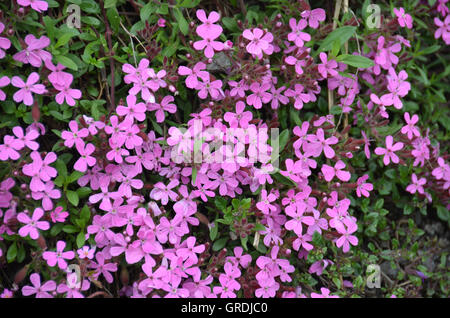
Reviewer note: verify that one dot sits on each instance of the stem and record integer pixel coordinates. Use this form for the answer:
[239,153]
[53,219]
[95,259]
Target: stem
[110,53]
[337,10]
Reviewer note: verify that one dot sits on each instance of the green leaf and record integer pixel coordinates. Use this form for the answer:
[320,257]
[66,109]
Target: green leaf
[146,11]
[64,60]
[113,18]
[80,239]
[341,34]
[219,244]
[259,227]
[213,231]
[244,241]
[284,138]
[110,3]
[63,39]
[355,60]
[284,180]
[12,253]
[70,229]
[74,176]
[221,203]
[85,213]
[182,23]
[443,213]
[61,168]
[72,196]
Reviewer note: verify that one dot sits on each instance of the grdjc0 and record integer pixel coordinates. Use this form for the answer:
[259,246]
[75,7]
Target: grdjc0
[246,308]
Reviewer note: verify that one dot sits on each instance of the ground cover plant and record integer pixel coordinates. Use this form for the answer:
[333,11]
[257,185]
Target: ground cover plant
[223,149]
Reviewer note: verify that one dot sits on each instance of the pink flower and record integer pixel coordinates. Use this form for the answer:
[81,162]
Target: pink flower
[194,74]
[47,195]
[403,18]
[4,81]
[417,185]
[329,172]
[388,152]
[259,42]
[161,23]
[86,252]
[67,93]
[9,148]
[268,289]
[299,63]
[39,170]
[327,67]
[299,96]
[57,76]
[103,268]
[58,215]
[443,29]
[260,95]
[34,53]
[314,17]
[85,160]
[74,136]
[363,188]
[440,171]
[59,256]
[163,192]
[264,205]
[410,128]
[32,224]
[239,258]
[346,229]
[40,291]
[208,31]
[37,5]
[240,118]
[26,89]
[318,143]
[5,43]
[26,139]
[166,105]
[366,144]
[297,36]
[208,28]
[325,293]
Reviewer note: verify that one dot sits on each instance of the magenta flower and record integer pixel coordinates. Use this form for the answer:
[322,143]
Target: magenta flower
[59,257]
[442,169]
[37,5]
[86,159]
[86,252]
[5,43]
[443,29]
[259,42]
[388,152]
[166,105]
[265,205]
[346,229]
[362,187]
[132,110]
[40,291]
[74,136]
[26,139]
[366,144]
[260,95]
[4,81]
[163,192]
[193,74]
[102,268]
[327,67]
[58,215]
[416,185]
[299,96]
[39,170]
[240,118]
[47,195]
[318,143]
[32,224]
[329,172]
[208,31]
[325,293]
[66,93]
[403,18]
[297,36]
[208,28]
[26,89]
[410,129]
[314,17]
[34,53]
